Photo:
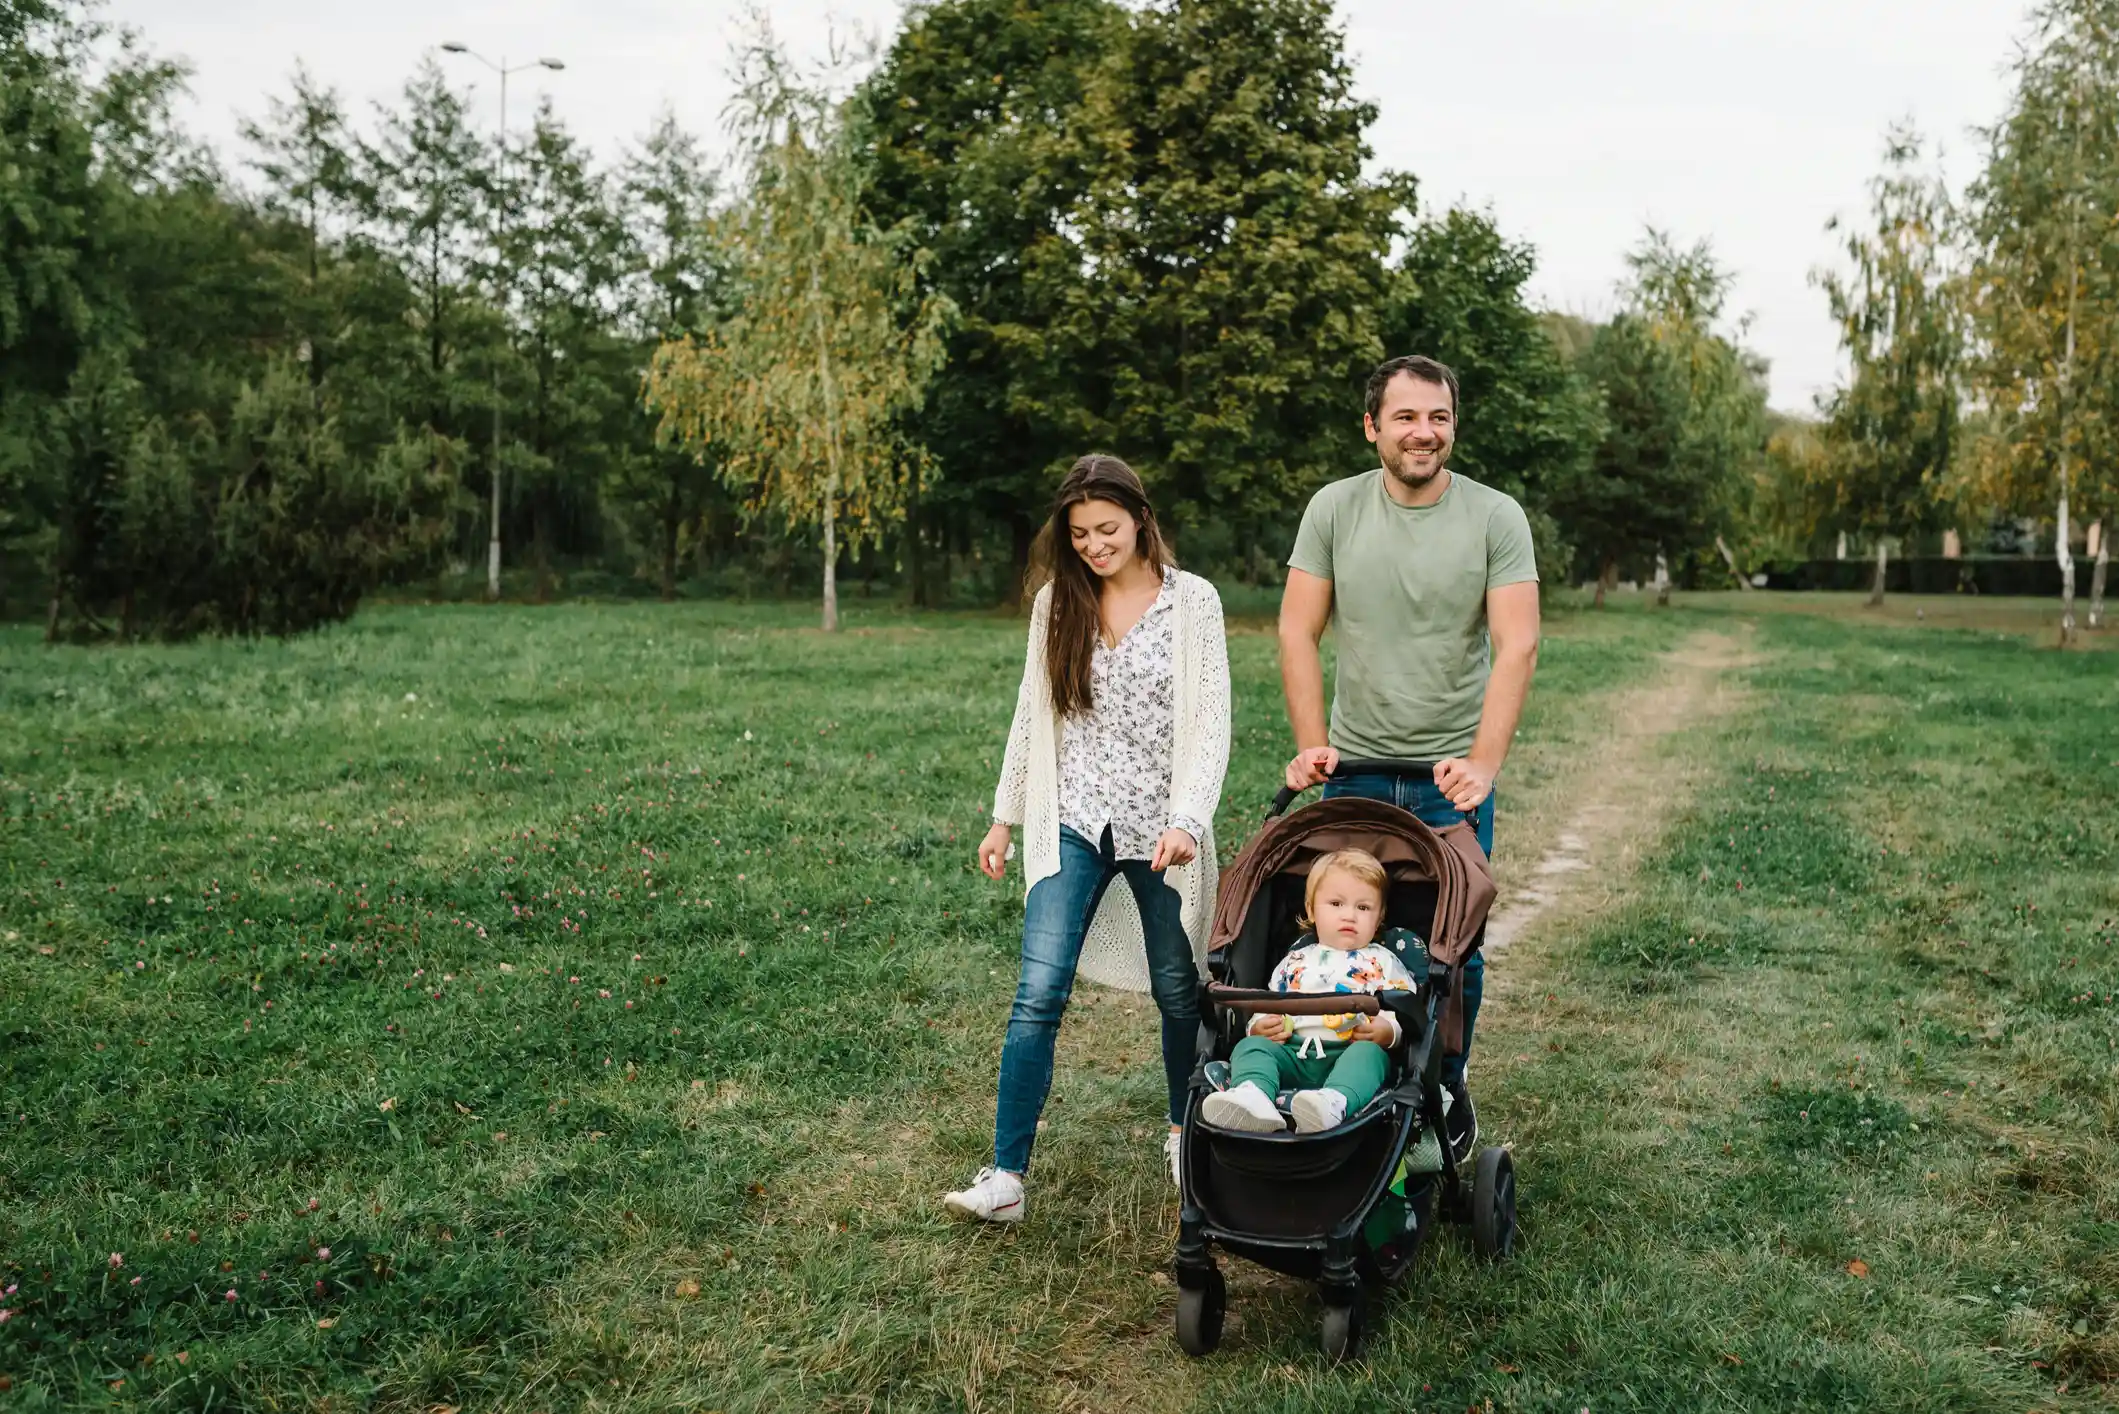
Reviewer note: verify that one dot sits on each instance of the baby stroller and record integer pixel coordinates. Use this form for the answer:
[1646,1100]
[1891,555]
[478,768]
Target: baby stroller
[1346,1207]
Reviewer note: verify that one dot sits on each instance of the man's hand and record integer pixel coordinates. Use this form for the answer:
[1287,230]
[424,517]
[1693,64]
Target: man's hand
[1312,767]
[1272,1028]
[1464,781]
[993,852]
[1175,847]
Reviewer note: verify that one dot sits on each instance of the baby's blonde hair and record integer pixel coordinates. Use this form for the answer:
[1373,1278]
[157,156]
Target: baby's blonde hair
[1357,862]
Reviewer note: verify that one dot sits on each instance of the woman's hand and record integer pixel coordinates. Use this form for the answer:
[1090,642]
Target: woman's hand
[1272,1027]
[1175,847]
[993,852]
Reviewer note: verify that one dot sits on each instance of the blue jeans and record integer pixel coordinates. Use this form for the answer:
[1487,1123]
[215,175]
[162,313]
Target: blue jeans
[1420,796]
[1055,923]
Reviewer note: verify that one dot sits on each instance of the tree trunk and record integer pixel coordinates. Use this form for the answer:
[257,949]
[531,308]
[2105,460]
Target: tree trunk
[2067,564]
[831,563]
[1662,580]
[1876,586]
[1606,578]
[1729,556]
[915,552]
[1839,551]
[51,616]
[2104,558]
[672,515]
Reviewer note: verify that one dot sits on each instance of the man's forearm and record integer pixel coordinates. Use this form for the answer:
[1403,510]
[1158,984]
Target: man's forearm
[1302,682]
[1507,687]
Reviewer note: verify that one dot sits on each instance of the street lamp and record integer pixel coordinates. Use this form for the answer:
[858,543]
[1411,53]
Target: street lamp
[502,69]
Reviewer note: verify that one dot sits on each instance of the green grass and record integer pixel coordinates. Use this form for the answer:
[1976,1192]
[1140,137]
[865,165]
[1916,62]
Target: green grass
[306,946]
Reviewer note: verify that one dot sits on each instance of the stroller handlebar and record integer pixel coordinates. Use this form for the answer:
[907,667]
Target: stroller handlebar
[1382,766]
[1247,999]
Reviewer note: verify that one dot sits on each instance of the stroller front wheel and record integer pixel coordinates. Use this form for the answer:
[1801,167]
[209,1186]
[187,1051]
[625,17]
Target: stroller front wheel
[1200,1310]
[1494,1204]
[1340,1336]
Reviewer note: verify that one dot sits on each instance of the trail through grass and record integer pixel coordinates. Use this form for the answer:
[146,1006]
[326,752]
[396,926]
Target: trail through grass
[581,1009]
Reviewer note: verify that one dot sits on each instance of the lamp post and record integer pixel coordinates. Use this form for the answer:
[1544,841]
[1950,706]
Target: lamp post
[502,69]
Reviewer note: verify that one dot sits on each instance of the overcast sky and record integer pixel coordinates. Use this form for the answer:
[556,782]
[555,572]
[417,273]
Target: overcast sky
[1576,121]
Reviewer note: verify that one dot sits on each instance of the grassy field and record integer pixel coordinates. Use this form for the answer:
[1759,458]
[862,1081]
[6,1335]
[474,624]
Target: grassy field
[583,1009]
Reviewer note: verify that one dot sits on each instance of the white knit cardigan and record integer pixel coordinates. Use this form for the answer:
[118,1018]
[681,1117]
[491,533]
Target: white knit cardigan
[1115,953]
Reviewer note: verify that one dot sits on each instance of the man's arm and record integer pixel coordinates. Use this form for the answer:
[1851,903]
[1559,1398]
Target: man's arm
[1305,609]
[1512,624]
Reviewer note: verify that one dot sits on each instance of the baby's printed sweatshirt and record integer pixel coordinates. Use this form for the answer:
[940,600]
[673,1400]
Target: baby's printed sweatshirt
[1312,967]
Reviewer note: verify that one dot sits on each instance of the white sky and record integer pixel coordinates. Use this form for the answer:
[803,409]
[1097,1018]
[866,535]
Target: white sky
[1576,121]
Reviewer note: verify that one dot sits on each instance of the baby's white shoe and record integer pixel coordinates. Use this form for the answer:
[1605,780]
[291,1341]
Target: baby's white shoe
[1316,1110]
[995,1196]
[1244,1107]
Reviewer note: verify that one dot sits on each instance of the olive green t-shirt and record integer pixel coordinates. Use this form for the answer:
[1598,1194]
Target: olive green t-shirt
[1409,608]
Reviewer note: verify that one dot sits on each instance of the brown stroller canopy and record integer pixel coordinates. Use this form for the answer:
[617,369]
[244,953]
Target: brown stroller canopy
[1410,851]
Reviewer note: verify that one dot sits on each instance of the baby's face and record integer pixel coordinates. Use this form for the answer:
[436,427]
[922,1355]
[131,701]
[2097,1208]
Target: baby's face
[1348,911]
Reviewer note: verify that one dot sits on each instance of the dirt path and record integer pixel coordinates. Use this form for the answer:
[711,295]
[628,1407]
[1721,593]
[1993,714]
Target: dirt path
[1616,796]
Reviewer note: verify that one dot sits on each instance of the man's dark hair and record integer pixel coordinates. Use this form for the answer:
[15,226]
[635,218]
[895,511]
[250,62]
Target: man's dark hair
[1421,367]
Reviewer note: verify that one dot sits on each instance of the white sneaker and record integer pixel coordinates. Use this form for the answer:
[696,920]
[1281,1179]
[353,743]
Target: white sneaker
[994,1197]
[1317,1110]
[1172,1150]
[1244,1107]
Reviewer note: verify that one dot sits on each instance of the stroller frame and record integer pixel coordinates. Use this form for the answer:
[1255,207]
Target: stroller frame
[1354,1162]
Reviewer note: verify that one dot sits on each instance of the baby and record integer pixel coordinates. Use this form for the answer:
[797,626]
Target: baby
[1340,1060]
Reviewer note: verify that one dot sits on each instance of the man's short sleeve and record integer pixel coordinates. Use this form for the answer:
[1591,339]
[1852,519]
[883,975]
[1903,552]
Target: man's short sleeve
[1510,557]
[1313,541]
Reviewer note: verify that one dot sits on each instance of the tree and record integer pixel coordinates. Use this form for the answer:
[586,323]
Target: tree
[1236,251]
[806,379]
[564,256]
[676,289]
[1892,430]
[2044,284]
[970,135]
[1684,417]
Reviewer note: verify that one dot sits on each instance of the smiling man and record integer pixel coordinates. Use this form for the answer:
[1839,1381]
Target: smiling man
[1428,581]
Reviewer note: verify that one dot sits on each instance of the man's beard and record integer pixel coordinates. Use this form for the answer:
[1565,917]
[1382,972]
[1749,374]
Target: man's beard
[1405,474]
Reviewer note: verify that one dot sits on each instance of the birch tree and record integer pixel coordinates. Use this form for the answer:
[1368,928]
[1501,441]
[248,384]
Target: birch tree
[829,343]
[1891,431]
[2044,287]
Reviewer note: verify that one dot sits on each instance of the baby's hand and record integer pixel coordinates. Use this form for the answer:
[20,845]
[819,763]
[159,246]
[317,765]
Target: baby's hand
[1374,1028]
[1272,1028]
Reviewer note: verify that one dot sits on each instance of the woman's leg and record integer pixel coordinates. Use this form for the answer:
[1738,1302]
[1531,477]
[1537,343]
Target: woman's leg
[1173,976]
[1055,921]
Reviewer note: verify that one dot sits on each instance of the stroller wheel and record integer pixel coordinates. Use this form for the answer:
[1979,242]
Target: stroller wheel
[1200,1311]
[1340,1336]
[1494,1204]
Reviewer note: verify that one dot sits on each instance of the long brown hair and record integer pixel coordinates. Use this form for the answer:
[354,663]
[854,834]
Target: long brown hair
[1077,596]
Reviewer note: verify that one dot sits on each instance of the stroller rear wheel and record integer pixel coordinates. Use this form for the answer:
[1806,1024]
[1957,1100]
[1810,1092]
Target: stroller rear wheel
[1494,1204]
[1200,1310]
[1340,1335]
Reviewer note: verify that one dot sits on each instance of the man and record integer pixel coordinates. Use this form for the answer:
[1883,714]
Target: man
[1429,582]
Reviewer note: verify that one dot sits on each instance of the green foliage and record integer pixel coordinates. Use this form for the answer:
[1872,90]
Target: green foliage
[1891,433]
[1684,418]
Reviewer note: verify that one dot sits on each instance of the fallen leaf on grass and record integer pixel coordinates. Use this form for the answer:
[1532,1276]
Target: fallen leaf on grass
[1857,1268]
[462,1108]
[388,1105]
[327,1323]
[1731,1358]
[687,1288]
[507,967]
[500,1136]
[1508,1369]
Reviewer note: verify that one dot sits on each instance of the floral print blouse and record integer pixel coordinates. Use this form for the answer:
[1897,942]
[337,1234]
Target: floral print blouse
[1115,758]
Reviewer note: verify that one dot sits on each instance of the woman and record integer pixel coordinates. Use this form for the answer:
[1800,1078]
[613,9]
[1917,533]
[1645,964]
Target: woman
[1114,770]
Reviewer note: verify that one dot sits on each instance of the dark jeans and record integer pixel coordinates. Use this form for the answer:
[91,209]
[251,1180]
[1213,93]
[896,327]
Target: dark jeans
[1055,923]
[1420,796]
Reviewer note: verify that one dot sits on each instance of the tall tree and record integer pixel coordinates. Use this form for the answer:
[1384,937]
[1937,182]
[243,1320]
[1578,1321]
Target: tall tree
[2044,285]
[1684,424]
[1236,248]
[970,129]
[303,151]
[676,289]
[830,343]
[1892,430]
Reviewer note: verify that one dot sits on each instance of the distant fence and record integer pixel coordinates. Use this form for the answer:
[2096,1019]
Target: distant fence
[1932,574]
